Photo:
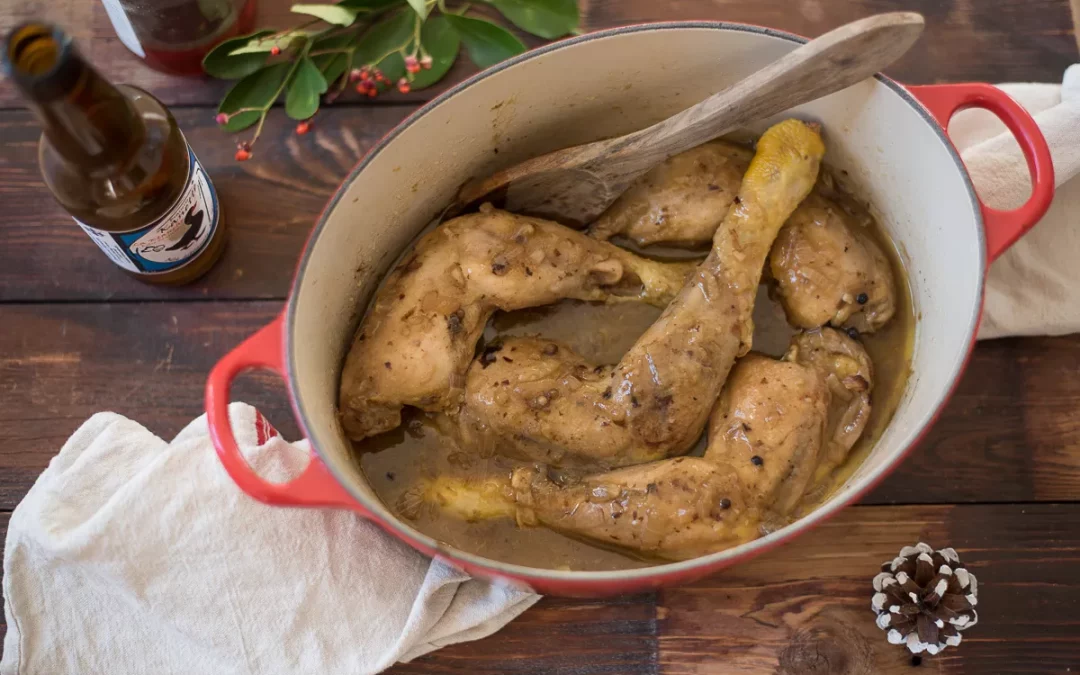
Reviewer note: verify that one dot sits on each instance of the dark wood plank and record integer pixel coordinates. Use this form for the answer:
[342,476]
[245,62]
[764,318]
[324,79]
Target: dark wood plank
[804,609]
[5,516]
[60,364]
[270,204]
[557,635]
[1075,4]
[46,258]
[991,40]
[1009,435]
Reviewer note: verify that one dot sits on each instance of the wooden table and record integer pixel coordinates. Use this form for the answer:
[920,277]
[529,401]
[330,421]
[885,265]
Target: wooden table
[998,478]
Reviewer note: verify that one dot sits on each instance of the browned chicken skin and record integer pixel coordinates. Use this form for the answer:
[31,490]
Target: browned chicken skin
[415,344]
[829,270]
[849,375]
[769,424]
[773,435]
[682,201]
[785,425]
[654,403]
[823,260]
[677,508]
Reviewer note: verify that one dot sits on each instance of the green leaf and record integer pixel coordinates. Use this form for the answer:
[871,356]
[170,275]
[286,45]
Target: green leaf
[420,7]
[331,65]
[386,38]
[339,41]
[546,18]
[306,86]
[335,14]
[257,90]
[441,42]
[219,61]
[487,43]
[282,42]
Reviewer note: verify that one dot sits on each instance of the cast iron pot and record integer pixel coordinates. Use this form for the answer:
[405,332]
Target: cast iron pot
[889,139]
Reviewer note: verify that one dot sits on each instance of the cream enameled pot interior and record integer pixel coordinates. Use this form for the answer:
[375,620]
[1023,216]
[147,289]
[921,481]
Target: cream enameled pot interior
[607,84]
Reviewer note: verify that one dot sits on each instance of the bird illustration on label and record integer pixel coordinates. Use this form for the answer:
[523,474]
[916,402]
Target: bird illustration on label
[194,222]
[181,233]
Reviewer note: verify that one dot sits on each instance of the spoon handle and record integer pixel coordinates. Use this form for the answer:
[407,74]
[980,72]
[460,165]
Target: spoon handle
[829,63]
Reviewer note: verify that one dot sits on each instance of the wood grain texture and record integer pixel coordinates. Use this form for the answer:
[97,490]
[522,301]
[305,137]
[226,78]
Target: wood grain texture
[965,40]
[60,364]
[1010,432]
[270,205]
[1013,416]
[616,636]
[982,40]
[272,201]
[1075,4]
[805,608]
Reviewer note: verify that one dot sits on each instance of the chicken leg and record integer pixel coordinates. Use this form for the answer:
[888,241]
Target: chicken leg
[415,344]
[773,435]
[538,399]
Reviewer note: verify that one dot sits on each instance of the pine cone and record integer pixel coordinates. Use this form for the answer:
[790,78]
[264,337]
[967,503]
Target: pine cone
[924,598]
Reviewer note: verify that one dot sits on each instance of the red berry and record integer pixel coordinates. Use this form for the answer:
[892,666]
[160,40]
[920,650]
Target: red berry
[362,88]
[372,92]
[411,62]
[303,127]
[426,62]
[403,86]
[275,50]
[243,155]
[379,76]
[245,145]
[355,74]
[221,118]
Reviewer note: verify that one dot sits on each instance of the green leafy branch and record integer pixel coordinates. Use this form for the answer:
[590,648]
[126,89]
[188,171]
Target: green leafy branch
[374,45]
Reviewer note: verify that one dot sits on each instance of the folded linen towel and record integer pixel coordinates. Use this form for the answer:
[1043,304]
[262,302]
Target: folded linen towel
[134,555]
[1034,288]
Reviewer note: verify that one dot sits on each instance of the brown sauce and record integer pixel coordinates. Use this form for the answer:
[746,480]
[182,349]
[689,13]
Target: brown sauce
[602,333]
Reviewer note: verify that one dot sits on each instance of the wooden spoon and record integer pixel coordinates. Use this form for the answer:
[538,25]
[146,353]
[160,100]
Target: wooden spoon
[575,185]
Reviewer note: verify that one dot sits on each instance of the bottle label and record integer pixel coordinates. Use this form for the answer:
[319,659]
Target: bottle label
[174,239]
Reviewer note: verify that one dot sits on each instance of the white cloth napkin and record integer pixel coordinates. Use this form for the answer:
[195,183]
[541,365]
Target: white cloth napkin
[1034,288]
[131,555]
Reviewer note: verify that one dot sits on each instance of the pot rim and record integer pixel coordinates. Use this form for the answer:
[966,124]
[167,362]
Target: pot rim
[397,527]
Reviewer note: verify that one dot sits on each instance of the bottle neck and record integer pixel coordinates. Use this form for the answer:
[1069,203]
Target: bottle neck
[87,120]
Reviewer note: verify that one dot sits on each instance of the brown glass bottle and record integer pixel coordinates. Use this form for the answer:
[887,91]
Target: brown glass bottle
[115,159]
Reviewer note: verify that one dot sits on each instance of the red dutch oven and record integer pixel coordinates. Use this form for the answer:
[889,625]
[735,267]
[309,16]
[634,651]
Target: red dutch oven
[888,140]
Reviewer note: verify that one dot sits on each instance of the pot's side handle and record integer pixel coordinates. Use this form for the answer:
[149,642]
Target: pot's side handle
[315,486]
[1003,228]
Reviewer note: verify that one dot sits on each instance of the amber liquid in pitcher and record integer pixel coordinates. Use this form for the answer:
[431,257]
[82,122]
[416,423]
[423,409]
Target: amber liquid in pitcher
[115,159]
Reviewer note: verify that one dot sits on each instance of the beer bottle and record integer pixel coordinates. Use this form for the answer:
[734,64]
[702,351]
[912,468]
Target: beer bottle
[116,161]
